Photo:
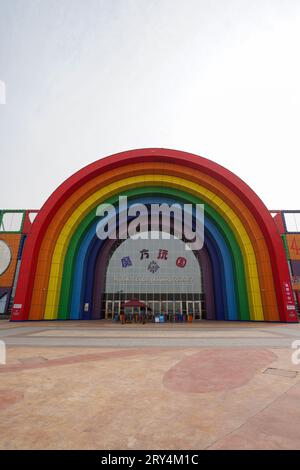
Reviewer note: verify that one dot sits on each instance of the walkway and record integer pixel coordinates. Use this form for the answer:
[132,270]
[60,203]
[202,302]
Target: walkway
[98,385]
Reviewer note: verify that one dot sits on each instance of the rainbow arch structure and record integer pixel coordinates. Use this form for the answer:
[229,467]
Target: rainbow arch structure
[243,260]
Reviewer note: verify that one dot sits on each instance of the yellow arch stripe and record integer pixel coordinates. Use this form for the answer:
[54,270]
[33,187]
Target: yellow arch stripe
[252,278]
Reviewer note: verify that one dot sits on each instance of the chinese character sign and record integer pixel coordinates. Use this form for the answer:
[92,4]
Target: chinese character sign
[126,262]
[293,242]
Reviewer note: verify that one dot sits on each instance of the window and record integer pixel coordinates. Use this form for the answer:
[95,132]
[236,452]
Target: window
[3,301]
[5,257]
[292,221]
[11,221]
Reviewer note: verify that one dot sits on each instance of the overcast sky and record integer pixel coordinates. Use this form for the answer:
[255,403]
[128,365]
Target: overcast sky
[88,78]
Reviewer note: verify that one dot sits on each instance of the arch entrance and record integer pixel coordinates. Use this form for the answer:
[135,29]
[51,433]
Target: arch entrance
[157,272]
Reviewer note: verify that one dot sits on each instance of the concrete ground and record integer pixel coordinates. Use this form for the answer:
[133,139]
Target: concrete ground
[99,385]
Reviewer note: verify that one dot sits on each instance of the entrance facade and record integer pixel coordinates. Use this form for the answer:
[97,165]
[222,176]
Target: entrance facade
[158,271]
[170,309]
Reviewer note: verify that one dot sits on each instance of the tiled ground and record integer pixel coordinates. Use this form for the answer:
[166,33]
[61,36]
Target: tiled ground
[96,385]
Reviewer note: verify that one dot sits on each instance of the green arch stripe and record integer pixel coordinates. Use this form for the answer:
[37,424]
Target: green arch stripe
[79,233]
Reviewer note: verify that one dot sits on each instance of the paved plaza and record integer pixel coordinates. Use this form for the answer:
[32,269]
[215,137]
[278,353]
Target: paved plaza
[101,385]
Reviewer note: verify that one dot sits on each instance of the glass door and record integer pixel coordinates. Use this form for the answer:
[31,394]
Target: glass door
[129,314]
[149,311]
[164,310]
[156,310]
[190,309]
[109,310]
[136,314]
[116,309]
[170,311]
[197,311]
[178,311]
